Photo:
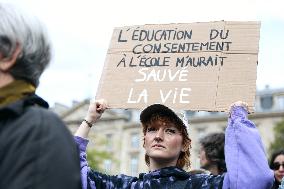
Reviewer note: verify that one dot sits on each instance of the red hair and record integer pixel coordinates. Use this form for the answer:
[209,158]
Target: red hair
[184,157]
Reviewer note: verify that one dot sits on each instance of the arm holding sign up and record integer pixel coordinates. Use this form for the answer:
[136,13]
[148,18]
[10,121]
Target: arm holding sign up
[247,165]
[165,132]
[95,111]
[181,65]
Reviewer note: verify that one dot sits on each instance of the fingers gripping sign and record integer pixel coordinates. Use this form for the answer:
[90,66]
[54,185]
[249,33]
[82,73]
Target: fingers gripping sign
[96,109]
[240,103]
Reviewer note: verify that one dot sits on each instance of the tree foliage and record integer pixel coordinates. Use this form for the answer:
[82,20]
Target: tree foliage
[279,137]
[96,158]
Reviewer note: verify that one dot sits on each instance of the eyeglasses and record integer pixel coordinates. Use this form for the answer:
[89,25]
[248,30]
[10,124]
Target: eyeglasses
[276,165]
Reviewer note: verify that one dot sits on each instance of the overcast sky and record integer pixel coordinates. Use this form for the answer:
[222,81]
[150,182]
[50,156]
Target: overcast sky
[80,32]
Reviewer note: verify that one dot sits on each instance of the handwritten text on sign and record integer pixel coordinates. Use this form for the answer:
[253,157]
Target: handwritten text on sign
[168,47]
[178,64]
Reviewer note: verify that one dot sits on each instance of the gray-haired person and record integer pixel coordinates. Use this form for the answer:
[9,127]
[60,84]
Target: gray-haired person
[36,149]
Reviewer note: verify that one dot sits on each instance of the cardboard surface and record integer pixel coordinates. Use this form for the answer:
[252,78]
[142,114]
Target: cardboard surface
[198,66]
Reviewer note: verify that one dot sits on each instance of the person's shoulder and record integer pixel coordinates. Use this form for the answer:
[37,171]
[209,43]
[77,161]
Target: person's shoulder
[201,177]
[198,174]
[119,181]
[44,115]
[123,177]
[38,106]
[43,119]
[197,171]
[35,105]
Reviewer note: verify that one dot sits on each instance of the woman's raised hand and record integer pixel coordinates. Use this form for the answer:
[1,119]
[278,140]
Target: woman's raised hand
[96,109]
[240,103]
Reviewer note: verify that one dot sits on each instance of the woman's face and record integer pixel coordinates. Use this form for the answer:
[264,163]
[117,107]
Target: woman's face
[202,158]
[163,142]
[279,167]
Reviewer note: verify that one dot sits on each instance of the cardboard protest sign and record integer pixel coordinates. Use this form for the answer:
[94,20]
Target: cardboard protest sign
[198,66]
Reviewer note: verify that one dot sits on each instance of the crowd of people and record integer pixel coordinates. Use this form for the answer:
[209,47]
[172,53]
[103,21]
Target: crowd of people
[38,151]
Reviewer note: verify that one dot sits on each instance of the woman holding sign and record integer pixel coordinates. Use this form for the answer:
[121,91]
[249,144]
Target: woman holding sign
[167,148]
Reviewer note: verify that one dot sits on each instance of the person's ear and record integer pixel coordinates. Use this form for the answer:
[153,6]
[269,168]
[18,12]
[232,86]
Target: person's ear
[7,63]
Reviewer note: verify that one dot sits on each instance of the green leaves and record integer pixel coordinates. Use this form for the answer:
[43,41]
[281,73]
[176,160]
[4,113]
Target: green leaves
[279,137]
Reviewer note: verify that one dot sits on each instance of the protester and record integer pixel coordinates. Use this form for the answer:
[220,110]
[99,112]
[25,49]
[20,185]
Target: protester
[36,149]
[167,147]
[277,165]
[212,156]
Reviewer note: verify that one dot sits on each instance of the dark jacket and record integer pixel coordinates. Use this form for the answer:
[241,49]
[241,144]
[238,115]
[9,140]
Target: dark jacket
[244,153]
[165,178]
[276,184]
[36,149]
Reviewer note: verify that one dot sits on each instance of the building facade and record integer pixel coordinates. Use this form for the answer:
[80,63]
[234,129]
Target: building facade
[119,132]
